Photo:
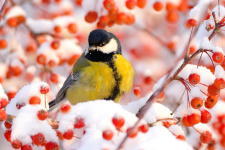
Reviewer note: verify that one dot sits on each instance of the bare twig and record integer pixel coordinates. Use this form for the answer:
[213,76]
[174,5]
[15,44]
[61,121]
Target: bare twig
[2,11]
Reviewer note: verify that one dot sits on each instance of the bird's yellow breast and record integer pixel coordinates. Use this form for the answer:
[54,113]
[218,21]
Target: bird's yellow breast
[97,81]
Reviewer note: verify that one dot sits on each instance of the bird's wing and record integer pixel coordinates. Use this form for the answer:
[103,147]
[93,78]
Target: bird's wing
[62,92]
[69,81]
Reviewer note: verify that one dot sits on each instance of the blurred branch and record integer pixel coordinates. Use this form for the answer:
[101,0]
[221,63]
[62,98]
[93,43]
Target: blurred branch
[2,11]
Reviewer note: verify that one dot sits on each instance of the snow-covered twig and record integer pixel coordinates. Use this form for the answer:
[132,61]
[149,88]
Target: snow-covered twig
[54,124]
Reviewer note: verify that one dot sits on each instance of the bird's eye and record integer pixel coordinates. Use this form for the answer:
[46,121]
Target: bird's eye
[102,44]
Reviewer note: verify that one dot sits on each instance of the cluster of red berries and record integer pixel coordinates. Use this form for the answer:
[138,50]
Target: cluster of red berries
[15,21]
[172,10]
[219,126]
[3,103]
[114,16]
[37,139]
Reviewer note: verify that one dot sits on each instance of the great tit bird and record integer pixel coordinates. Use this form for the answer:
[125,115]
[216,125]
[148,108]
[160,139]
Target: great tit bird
[100,73]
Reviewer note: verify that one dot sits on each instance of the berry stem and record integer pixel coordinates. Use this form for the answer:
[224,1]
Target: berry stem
[162,119]
[197,130]
[210,58]
[188,45]
[178,104]
[219,8]
[199,59]
[203,84]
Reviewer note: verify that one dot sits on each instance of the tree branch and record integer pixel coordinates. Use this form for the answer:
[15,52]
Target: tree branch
[2,11]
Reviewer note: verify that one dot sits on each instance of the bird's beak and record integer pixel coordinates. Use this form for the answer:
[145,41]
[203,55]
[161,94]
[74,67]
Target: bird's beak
[91,48]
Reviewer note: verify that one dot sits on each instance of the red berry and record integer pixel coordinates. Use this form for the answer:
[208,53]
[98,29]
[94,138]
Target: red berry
[54,78]
[147,79]
[57,29]
[12,22]
[3,43]
[143,128]
[193,119]
[65,108]
[196,103]
[79,123]
[91,16]
[130,19]
[19,105]
[109,4]
[16,144]
[72,28]
[78,2]
[130,4]
[104,20]
[158,6]
[44,89]
[7,135]
[167,124]
[26,147]
[118,121]
[121,18]
[222,129]
[60,135]
[3,115]
[55,44]
[205,116]
[34,100]
[192,22]
[107,134]
[185,122]
[38,139]
[137,91]
[3,102]
[211,101]
[172,17]
[217,57]
[213,90]
[41,59]
[221,118]
[181,137]
[194,78]
[73,59]
[208,15]
[42,114]
[132,134]
[170,6]
[8,125]
[141,3]
[222,141]
[52,63]
[68,134]
[205,137]
[51,146]
[219,83]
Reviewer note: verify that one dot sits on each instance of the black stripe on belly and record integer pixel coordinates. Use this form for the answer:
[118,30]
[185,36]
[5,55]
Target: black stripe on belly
[116,89]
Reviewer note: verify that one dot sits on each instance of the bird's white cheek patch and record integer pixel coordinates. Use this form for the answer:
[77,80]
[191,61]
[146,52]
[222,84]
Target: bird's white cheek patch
[110,47]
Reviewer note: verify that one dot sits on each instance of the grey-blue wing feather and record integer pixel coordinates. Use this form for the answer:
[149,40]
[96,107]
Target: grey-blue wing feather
[73,77]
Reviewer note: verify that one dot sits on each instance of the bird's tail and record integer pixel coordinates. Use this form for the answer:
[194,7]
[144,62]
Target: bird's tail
[53,104]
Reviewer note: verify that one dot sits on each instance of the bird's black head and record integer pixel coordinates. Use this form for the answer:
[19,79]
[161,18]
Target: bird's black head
[103,41]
